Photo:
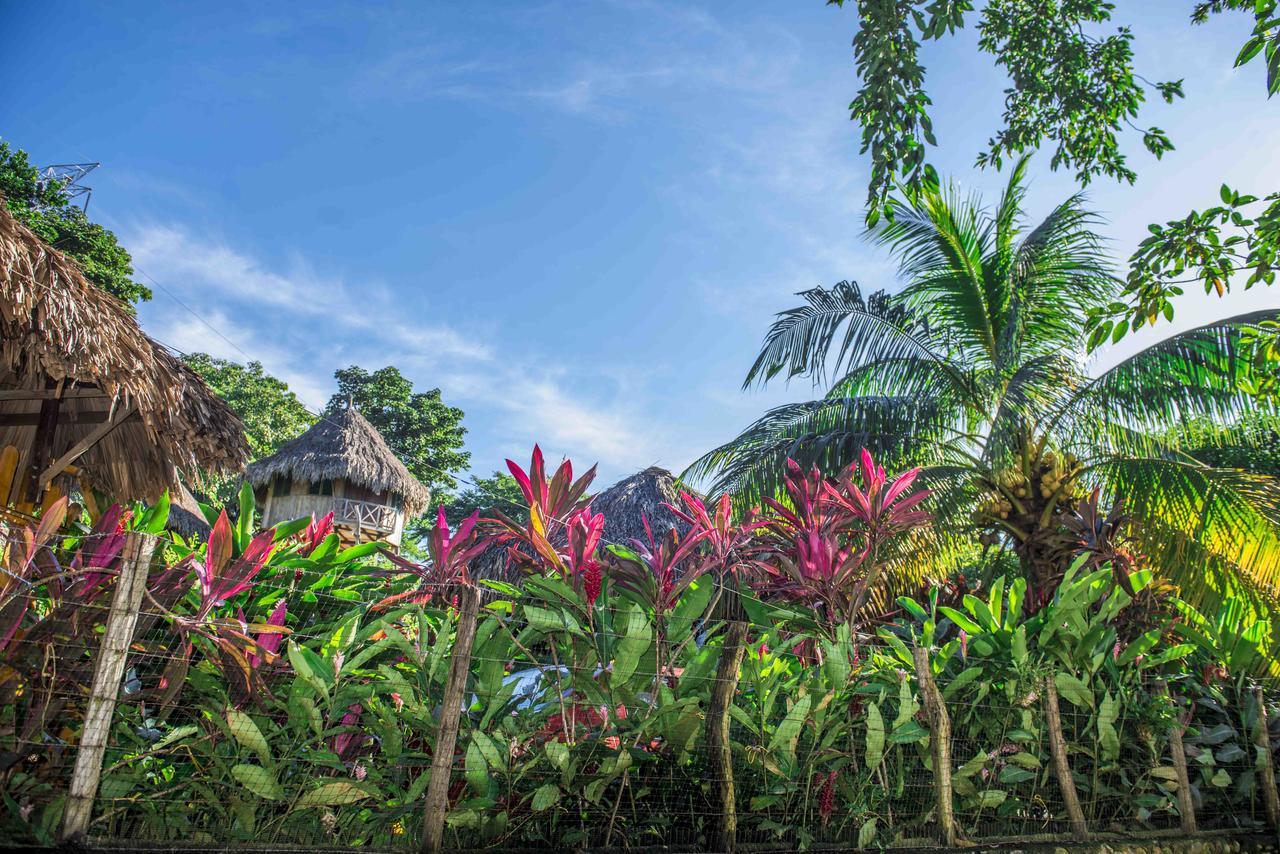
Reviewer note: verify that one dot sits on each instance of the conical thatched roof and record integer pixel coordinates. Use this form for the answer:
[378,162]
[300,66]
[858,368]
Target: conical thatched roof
[647,492]
[61,336]
[343,444]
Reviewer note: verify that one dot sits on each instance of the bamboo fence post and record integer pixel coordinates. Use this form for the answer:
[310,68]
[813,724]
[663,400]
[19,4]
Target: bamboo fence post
[1186,806]
[1268,782]
[437,803]
[122,618]
[725,834]
[940,744]
[1061,767]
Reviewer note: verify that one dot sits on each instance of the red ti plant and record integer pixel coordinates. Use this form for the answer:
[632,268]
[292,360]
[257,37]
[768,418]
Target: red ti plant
[315,533]
[537,543]
[658,573]
[222,575]
[450,555]
[585,532]
[730,548]
[829,545]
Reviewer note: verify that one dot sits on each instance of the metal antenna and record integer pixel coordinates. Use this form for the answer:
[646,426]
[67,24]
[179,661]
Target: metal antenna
[66,178]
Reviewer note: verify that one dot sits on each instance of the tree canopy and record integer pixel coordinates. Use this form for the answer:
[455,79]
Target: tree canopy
[45,210]
[1074,89]
[272,414]
[975,372]
[425,433]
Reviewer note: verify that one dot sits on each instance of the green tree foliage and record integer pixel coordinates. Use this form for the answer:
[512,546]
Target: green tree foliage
[62,225]
[1075,90]
[486,493]
[975,371]
[272,414]
[425,434]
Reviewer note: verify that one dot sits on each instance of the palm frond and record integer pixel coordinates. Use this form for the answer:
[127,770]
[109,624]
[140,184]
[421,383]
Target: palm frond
[827,433]
[1201,372]
[941,240]
[802,340]
[1218,509]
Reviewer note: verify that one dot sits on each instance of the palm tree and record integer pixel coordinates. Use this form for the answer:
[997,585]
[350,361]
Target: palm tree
[976,371]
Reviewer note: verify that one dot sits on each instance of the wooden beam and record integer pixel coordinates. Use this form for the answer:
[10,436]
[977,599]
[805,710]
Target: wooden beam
[78,449]
[46,424]
[32,419]
[51,394]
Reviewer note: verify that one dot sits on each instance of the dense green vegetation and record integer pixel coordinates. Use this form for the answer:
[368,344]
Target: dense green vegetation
[975,371]
[43,208]
[282,690]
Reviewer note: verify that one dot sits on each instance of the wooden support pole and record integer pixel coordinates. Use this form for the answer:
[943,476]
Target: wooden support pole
[1061,767]
[1268,778]
[1186,806]
[437,804]
[939,744]
[719,749]
[46,424]
[79,448]
[107,672]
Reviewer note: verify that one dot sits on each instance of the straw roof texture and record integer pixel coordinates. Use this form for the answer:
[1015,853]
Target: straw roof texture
[56,326]
[343,444]
[647,492]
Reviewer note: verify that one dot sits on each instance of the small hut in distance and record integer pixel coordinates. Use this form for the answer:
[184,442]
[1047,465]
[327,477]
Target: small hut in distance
[344,466]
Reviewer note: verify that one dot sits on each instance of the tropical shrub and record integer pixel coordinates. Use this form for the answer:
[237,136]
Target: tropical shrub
[309,679]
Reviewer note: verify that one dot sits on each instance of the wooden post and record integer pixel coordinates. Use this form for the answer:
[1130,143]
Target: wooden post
[725,834]
[450,715]
[1186,806]
[1061,767]
[107,672]
[940,745]
[42,441]
[1268,778]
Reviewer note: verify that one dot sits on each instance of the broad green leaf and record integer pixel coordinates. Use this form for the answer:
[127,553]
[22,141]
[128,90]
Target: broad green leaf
[875,736]
[784,737]
[549,622]
[558,753]
[637,636]
[1139,646]
[313,669]
[246,732]
[175,735]
[545,796]
[334,794]
[961,621]
[1108,739]
[495,756]
[991,798]
[258,780]
[1072,689]
[963,678]
[476,769]
[867,833]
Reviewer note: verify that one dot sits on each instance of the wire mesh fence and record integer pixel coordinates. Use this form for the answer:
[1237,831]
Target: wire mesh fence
[299,695]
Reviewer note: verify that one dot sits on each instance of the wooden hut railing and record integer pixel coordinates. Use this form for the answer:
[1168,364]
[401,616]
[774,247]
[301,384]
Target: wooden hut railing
[366,515]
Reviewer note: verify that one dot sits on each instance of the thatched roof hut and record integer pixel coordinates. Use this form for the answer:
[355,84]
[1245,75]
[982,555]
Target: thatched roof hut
[343,445]
[82,386]
[341,465]
[625,505]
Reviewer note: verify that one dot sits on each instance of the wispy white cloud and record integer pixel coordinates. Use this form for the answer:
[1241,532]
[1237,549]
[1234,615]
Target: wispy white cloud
[302,327]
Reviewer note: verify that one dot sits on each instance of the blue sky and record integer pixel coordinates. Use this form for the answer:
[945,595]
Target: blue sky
[576,219]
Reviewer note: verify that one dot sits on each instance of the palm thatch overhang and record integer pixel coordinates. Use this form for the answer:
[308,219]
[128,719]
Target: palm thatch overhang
[625,505]
[82,385]
[343,445]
